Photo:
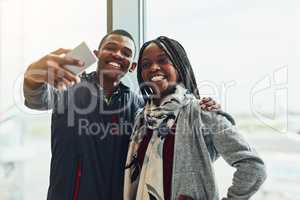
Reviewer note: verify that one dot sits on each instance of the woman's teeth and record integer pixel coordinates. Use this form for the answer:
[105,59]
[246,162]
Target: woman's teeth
[157,78]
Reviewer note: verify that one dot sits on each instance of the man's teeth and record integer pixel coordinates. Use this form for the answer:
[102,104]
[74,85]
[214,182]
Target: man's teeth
[157,78]
[115,65]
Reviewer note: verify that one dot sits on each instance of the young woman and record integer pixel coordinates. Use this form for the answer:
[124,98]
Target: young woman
[175,143]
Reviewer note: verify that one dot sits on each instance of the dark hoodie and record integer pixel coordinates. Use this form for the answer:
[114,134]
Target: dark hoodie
[88,149]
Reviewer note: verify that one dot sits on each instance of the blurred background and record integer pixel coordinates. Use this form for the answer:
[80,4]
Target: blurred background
[245,55]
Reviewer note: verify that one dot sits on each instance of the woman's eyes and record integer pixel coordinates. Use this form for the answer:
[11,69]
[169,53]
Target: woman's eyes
[160,61]
[164,60]
[146,65]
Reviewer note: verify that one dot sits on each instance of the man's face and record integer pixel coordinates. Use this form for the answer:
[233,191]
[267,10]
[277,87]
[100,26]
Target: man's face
[115,57]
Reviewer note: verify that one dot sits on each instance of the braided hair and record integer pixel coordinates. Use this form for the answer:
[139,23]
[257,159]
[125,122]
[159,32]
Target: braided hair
[180,61]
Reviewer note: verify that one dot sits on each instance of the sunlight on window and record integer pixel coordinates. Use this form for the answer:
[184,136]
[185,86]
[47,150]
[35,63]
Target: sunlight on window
[245,54]
[235,44]
[30,29]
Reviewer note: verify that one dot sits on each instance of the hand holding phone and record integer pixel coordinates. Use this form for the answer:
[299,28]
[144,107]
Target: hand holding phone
[82,53]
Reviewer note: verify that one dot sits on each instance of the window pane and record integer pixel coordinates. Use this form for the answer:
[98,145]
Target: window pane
[245,54]
[30,29]
[240,41]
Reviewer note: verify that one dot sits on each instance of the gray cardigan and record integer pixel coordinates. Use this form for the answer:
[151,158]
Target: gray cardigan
[200,138]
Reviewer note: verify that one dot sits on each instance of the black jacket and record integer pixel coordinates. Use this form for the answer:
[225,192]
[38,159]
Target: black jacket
[89,141]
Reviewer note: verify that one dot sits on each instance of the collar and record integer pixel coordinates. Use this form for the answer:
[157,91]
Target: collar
[92,77]
[121,88]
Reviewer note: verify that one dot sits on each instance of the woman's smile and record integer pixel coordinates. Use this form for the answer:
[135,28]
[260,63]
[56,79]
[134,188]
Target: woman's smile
[157,69]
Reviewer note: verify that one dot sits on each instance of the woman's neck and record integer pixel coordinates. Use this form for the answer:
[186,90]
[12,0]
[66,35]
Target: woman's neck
[158,98]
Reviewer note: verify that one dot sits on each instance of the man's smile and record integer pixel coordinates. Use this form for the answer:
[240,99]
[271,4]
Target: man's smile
[115,65]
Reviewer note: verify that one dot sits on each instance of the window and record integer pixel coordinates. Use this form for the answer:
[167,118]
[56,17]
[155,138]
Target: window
[30,29]
[245,54]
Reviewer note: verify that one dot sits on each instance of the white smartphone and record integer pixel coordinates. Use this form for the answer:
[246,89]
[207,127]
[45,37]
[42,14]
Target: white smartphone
[83,53]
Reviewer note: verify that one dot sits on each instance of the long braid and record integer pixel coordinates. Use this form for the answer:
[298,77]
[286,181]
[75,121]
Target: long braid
[145,90]
[181,61]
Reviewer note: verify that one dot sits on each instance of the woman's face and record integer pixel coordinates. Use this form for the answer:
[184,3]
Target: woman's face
[157,69]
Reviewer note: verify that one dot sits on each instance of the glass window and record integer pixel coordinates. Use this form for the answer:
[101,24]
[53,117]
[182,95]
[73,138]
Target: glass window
[245,54]
[30,29]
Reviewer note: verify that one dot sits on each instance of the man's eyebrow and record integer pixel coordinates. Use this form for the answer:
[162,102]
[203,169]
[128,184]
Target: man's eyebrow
[115,44]
[111,43]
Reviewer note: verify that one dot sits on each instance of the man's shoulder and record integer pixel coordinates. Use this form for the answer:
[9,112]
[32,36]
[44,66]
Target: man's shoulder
[135,99]
[126,89]
[138,99]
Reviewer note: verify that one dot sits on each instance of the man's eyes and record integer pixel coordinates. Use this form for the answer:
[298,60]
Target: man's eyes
[126,53]
[114,49]
[110,48]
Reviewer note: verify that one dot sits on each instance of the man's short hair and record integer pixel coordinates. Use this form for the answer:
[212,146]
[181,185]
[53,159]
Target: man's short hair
[118,32]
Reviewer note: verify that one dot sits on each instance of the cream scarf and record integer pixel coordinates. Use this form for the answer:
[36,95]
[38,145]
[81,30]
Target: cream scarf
[146,183]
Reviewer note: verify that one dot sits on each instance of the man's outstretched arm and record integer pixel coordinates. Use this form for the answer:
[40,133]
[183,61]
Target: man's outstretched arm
[45,77]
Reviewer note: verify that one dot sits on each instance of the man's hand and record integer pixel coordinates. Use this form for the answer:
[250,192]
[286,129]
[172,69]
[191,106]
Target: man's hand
[208,104]
[50,69]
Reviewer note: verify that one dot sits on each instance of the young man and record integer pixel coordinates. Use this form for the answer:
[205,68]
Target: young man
[88,149]
[91,120]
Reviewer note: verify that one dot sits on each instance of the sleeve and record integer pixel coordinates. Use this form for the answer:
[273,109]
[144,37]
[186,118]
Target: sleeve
[250,169]
[138,105]
[41,98]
